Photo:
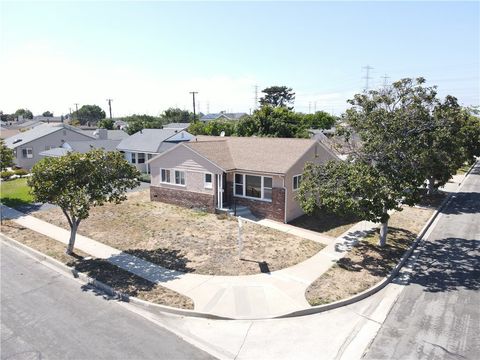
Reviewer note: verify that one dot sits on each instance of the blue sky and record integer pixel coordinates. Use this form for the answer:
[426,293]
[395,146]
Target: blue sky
[147,56]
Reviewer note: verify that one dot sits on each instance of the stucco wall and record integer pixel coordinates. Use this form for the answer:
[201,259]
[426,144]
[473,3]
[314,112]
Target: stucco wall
[317,155]
[52,140]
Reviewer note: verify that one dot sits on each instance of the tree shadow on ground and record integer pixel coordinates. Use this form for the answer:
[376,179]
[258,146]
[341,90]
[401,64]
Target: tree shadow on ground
[432,201]
[321,221]
[14,202]
[167,258]
[111,275]
[378,261]
[463,203]
[448,264]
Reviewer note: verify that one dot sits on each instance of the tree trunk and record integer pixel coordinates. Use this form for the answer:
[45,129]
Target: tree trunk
[71,242]
[383,234]
[431,185]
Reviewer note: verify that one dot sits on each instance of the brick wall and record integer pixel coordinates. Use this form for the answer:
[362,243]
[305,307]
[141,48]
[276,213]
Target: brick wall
[183,198]
[274,210]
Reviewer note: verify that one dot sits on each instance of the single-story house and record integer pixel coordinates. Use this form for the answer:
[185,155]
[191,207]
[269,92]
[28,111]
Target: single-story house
[222,116]
[217,173]
[82,146]
[28,145]
[143,145]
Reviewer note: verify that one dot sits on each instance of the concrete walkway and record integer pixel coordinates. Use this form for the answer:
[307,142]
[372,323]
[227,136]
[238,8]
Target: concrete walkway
[241,297]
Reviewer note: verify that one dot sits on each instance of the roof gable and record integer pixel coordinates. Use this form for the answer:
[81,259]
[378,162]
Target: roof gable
[150,140]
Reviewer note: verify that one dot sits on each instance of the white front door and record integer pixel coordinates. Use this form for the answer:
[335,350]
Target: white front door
[219,191]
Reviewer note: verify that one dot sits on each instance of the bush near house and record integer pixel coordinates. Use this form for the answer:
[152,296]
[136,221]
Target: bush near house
[5,175]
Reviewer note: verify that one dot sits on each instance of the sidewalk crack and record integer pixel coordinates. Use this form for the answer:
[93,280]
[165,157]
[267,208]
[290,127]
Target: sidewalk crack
[243,342]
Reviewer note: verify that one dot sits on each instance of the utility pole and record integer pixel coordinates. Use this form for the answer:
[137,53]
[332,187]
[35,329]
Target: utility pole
[110,106]
[194,114]
[385,80]
[76,111]
[367,75]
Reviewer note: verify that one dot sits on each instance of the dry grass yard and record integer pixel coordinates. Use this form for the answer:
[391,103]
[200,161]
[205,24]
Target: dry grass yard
[188,240]
[367,264]
[99,269]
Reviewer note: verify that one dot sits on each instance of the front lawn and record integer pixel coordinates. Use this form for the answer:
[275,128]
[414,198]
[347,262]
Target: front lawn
[325,223]
[367,263]
[187,240]
[111,275]
[15,192]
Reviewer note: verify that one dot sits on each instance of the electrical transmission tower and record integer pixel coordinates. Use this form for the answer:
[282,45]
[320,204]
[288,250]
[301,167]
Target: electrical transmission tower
[367,76]
[385,80]
[110,106]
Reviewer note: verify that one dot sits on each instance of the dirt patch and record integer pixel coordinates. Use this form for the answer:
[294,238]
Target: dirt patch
[99,269]
[187,240]
[367,263]
[325,223]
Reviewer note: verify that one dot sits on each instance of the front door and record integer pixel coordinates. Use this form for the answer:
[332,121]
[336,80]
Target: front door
[219,182]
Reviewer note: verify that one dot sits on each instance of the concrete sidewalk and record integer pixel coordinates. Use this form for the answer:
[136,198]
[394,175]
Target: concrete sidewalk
[258,296]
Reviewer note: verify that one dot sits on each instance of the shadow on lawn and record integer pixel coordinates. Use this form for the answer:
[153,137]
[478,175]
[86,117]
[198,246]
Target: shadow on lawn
[321,221]
[111,275]
[169,259]
[375,260]
[448,264]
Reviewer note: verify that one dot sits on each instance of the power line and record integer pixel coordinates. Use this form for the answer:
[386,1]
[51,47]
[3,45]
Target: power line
[367,75]
[110,106]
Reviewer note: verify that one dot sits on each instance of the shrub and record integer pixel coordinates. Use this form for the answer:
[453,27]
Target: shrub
[5,175]
[21,172]
[145,178]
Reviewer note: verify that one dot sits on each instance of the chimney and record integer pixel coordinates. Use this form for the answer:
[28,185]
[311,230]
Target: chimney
[102,134]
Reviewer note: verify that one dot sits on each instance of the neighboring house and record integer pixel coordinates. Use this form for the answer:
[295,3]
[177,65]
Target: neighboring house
[28,145]
[337,144]
[105,134]
[143,145]
[50,119]
[176,126]
[222,116]
[82,146]
[217,173]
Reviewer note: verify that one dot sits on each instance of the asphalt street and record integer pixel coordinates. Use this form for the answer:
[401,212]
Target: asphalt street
[45,315]
[437,316]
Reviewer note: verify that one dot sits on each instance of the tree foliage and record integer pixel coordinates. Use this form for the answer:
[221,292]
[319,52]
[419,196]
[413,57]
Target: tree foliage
[136,123]
[76,182]
[278,96]
[47,114]
[89,114]
[176,115]
[106,124]
[6,156]
[318,120]
[27,114]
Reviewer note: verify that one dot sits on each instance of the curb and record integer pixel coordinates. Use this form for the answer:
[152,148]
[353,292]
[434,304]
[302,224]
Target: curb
[87,280]
[379,286]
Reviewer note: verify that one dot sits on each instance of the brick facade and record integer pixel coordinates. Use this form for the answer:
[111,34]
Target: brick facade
[183,198]
[274,210]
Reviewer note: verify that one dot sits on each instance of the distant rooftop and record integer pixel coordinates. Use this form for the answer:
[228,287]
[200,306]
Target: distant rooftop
[151,140]
[223,115]
[178,126]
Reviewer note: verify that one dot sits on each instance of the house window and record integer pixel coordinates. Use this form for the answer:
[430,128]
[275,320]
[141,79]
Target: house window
[239,184]
[208,181]
[179,177]
[253,186]
[267,188]
[165,176]
[134,158]
[297,180]
[140,158]
[27,153]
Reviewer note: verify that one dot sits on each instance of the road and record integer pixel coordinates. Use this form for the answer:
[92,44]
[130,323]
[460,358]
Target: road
[437,315]
[44,315]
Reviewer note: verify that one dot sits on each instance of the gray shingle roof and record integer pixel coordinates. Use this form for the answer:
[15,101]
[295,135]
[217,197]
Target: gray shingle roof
[85,146]
[228,116]
[269,155]
[55,152]
[36,133]
[150,140]
[178,126]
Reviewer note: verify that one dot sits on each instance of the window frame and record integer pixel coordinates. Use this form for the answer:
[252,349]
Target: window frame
[142,159]
[26,154]
[207,185]
[167,171]
[244,186]
[181,177]
[299,181]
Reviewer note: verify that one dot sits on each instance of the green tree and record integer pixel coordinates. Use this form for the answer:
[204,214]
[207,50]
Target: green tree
[47,114]
[176,115]
[135,123]
[197,128]
[247,126]
[106,124]
[276,121]
[470,134]
[6,156]
[318,120]
[278,96]
[27,114]
[89,114]
[76,182]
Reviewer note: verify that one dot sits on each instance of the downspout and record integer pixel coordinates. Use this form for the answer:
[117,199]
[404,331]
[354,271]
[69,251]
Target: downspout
[285,207]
